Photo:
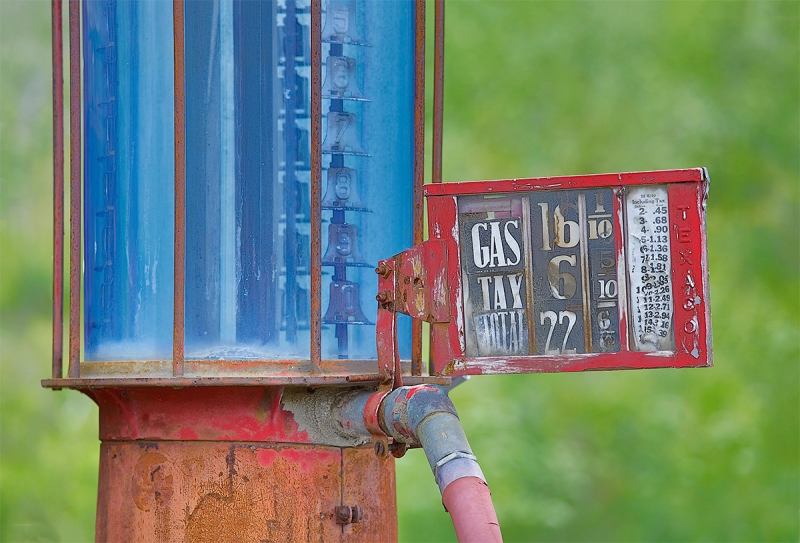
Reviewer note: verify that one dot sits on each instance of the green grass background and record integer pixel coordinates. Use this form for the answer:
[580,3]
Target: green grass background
[532,88]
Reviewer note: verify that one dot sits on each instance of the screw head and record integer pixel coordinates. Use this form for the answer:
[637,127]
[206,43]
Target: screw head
[380,448]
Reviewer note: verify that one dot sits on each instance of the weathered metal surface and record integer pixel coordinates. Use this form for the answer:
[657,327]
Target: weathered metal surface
[438,115]
[58,189]
[233,464]
[447,340]
[567,182]
[346,514]
[420,282]
[178,336]
[575,280]
[413,283]
[419,161]
[274,380]
[303,380]
[372,415]
[368,481]
[690,272]
[316,186]
[438,90]
[195,413]
[75,188]
[574,273]
[386,325]
[200,491]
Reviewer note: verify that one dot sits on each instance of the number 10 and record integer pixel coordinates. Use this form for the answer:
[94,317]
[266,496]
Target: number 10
[608,289]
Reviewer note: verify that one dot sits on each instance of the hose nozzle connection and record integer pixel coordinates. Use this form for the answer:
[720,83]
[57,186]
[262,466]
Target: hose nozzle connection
[424,416]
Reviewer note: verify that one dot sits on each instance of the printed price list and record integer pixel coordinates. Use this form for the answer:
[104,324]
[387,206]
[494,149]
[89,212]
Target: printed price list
[648,252]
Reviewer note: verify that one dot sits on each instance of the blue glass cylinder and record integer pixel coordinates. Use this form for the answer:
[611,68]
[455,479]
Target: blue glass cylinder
[248,156]
[128,179]
[368,103]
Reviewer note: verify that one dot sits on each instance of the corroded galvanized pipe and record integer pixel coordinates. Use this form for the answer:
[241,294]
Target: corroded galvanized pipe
[425,416]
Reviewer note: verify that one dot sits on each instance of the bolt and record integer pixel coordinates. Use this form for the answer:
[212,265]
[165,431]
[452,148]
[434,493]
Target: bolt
[398,449]
[380,448]
[383,270]
[384,297]
[345,514]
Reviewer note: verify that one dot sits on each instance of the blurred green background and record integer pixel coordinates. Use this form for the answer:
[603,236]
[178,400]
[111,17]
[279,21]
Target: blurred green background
[532,88]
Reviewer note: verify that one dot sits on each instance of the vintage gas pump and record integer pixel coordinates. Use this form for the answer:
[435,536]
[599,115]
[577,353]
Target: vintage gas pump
[238,170]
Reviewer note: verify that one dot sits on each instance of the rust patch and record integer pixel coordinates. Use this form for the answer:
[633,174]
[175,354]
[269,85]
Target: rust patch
[217,491]
[151,483]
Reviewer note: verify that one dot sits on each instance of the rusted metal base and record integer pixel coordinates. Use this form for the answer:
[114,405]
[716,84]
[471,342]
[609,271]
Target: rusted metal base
[229,464]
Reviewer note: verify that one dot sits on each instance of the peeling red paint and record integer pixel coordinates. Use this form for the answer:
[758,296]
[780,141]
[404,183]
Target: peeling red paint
[188,434]
[266,457]
[212,413]
[687,193]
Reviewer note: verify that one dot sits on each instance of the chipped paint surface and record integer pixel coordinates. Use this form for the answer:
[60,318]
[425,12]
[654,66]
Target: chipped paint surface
[451,351]
[170,470]
[200,491]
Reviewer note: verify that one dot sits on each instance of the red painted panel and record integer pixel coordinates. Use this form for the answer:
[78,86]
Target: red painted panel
[565,182]
[447,340]
[690,272]
[196,413]
[687,191]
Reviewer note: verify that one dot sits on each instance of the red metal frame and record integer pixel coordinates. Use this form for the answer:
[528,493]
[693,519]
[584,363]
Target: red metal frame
[316,184]
[687,190]
[180,191]
[438,90]
[75,195]
[419,162]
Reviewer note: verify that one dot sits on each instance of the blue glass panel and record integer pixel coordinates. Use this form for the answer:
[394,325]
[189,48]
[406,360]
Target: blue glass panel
[128,179]
[247,147]
[368,123]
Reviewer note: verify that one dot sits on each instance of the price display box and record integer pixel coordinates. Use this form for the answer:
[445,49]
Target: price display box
[591,272]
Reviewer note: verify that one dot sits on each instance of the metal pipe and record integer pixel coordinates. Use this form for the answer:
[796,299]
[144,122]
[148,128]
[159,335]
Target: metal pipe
[58,190]
[425,416]
[75,189]
[316,187]
[178,336]
[438,89]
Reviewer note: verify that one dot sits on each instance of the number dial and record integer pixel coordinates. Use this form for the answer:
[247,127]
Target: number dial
[558,293]
[602,259]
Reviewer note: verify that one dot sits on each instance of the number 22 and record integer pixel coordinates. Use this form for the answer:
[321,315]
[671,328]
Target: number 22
[551,316]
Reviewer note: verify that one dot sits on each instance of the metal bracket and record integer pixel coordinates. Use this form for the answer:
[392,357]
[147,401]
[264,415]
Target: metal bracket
[414,283]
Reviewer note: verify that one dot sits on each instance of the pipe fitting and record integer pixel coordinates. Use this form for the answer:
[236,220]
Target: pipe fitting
[424,416]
